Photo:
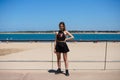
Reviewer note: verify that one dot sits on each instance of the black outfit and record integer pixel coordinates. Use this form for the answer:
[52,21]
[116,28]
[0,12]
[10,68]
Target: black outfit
[61,46]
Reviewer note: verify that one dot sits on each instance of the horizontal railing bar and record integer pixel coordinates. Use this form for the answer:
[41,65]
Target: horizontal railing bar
[49,61]
[63,69]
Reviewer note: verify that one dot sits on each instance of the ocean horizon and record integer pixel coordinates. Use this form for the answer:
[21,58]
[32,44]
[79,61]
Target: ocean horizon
[51,37]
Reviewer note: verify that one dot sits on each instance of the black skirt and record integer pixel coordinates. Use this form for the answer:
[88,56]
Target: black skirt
[61,47]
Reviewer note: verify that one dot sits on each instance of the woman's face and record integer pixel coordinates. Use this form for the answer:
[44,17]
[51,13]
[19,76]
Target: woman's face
[61,27]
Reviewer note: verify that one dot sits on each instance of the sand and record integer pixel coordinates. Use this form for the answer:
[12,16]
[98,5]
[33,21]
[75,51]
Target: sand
[7,48]
[40,55]
[9,51]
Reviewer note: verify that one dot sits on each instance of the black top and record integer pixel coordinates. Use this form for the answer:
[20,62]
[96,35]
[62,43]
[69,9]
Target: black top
[61,36]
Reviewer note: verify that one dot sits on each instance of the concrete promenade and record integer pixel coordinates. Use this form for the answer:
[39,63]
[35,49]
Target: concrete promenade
[45,75]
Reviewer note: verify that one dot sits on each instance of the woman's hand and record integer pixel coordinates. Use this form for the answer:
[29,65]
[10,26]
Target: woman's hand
[55,51]
[66,39]
[71,36]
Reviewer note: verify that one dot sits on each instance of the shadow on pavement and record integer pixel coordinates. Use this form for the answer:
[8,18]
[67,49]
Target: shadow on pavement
[54,71]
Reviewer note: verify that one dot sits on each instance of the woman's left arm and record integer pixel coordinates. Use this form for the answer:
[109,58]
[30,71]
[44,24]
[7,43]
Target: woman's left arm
[69,34]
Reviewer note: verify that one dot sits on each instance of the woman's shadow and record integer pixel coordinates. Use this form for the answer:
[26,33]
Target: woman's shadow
[55,71]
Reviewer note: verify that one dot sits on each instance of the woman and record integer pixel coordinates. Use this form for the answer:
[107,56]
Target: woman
[61,47]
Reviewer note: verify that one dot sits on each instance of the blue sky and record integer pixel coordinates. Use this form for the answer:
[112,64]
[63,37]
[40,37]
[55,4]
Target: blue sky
[41,15]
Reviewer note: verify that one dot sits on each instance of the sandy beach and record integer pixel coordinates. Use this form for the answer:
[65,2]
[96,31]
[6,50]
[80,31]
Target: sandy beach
[9,48]
[40,55]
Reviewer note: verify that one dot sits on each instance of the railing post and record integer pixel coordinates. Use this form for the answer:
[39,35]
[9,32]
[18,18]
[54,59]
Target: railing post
[52,53]
[105,56]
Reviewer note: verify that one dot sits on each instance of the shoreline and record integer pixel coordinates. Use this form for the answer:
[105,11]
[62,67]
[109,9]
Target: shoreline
[54,33]
[5,41]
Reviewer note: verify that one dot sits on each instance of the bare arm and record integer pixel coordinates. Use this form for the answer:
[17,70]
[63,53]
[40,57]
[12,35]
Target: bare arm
[55,40]
[71,36]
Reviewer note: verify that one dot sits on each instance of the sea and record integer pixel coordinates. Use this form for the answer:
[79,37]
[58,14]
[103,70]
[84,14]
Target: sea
[51,37]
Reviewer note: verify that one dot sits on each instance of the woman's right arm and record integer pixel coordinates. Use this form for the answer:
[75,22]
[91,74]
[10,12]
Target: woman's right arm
[55,41]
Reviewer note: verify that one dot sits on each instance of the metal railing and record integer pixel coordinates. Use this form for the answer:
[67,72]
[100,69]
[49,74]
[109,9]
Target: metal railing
[52,61]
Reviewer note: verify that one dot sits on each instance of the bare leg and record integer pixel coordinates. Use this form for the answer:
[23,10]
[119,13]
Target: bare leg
[65,60]
[66,63]
[58,59]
